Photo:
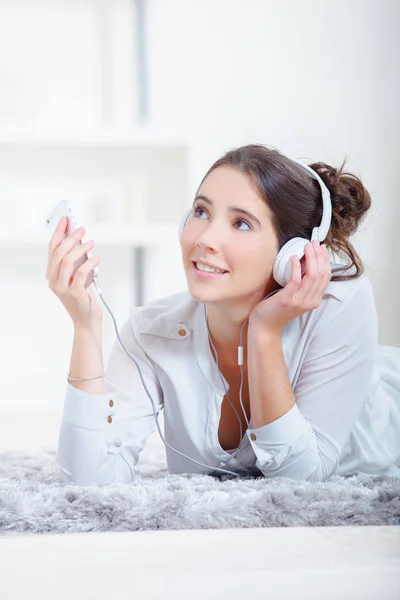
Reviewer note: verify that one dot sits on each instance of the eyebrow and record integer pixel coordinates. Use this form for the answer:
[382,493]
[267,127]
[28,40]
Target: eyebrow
[231,209]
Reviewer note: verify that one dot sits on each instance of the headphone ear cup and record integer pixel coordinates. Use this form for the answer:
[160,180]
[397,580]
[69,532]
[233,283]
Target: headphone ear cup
[184,221]
[282,271]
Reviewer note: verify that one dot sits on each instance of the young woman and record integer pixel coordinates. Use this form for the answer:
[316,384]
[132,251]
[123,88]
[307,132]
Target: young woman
[315,394]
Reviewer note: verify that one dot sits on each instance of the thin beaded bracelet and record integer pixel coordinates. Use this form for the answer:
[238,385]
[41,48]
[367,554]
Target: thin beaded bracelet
[84,379]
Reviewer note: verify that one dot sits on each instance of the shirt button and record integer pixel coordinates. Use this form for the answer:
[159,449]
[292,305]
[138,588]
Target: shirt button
[182,332]
[253,437]
[109,419]
[117,443]
[111,403]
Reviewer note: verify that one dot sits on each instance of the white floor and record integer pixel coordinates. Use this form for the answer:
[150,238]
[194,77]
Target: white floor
[280,563]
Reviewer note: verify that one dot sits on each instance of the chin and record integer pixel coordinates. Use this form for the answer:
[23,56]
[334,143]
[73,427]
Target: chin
[201,295]
[208,296]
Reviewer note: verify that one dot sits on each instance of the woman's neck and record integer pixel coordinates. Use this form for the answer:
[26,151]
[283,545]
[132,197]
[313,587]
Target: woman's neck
[225,336]
[228,321]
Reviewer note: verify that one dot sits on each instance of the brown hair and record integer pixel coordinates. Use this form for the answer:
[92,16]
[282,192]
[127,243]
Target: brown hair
[295,200]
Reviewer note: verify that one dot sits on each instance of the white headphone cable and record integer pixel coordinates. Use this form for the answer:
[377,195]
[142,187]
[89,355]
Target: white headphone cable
[240,363]
[225,471]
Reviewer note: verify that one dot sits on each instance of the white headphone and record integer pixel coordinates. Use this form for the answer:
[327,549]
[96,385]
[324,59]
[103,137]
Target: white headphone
[296,246]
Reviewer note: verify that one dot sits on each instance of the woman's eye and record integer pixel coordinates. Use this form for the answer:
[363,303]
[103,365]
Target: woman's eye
[195,212]
[245,222]
[197,209]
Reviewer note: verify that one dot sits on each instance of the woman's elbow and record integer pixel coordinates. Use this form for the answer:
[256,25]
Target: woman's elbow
[115,471]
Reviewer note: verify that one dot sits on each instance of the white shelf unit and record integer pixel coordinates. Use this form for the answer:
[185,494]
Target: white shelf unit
[139,179]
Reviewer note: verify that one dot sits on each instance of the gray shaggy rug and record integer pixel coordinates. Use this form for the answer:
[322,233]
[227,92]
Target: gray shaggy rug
[35,499]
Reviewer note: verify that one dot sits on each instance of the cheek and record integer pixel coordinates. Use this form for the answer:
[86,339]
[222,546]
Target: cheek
[184,242]
[187,248]
[258,265]
[259,257]
[189,235]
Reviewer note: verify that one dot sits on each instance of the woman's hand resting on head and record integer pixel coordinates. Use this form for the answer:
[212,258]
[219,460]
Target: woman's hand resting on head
[80,302]
[299,295]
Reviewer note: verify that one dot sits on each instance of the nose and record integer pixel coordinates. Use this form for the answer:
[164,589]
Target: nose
[210,236]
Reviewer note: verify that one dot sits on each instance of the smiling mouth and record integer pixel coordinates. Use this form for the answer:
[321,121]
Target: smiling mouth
[208,272]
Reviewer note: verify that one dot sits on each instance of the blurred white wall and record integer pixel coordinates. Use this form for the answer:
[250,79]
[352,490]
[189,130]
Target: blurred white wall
[317,80]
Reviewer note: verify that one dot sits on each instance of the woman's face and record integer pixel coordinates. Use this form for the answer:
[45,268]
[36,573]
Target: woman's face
[218,233]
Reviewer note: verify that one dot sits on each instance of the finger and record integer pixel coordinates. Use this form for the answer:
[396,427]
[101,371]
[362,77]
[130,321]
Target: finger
[70,241]
[323,278]
[63,249]
[55,241]
[327,270]
[58,234]
[295,278]
[320,281]
[68,263]
[81,276]
[303,265]
[319,257]
[311,274]
[292,286]
[326,257]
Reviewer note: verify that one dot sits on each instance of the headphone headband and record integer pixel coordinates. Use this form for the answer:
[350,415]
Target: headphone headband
[320,233]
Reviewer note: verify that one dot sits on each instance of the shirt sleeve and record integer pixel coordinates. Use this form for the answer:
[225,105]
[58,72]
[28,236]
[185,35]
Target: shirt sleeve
[334,382]
[101,436]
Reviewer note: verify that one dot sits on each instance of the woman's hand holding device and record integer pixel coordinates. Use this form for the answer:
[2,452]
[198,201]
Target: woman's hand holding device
[70,271]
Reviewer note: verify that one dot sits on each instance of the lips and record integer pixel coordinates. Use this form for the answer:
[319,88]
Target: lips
[208,265]
[199,274]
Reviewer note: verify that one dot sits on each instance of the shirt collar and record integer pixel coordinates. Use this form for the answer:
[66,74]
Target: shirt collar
[203,352]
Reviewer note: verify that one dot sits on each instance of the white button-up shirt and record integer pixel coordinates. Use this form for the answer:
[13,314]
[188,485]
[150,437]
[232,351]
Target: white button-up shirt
[346,418]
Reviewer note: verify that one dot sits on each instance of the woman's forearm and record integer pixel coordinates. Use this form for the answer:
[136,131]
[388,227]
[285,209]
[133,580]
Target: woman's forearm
[271,395]
[87,360]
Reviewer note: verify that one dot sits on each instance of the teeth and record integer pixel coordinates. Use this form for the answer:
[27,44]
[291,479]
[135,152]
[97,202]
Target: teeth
[202,267]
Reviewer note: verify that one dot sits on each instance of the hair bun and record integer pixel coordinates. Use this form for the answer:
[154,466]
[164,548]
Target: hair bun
[350,199]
